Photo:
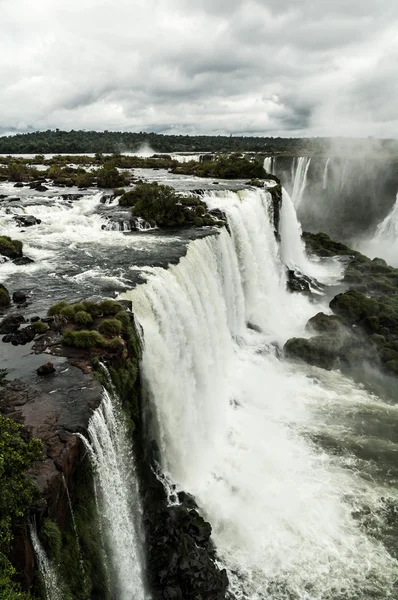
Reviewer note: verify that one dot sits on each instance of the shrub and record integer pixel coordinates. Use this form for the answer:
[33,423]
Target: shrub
[119,192]
[109,177]
[111,327]
[198,222]
[55,309]
[68,313]
[78,307]
[124,318]
[84,180]
[39,327]
[200,210]
[83,318]
[83,339]
[51,538]
[93,308]
[115,345]
[109,307]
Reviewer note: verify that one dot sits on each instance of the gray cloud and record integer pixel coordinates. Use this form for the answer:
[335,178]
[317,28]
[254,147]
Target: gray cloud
[274,67]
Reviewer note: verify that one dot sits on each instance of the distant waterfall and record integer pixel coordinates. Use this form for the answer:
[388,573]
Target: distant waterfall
[293,251]
[384,243]
[325,175]
[46,568]
[269,164]
[117,498]
[300,179]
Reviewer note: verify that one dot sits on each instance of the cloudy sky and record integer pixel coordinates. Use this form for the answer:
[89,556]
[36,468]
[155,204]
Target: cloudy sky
[263,67]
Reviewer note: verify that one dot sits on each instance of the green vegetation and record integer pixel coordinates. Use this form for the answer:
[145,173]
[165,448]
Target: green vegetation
[16,495]
[39,327]
[109,177]
[82,317]
[83,339]
[55,309]
[68,313]
[110,327]
[109,308]
[10,248]
[235,166]
[51,539]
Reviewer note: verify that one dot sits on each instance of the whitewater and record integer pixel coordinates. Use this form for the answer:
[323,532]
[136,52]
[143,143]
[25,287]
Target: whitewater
[237,424]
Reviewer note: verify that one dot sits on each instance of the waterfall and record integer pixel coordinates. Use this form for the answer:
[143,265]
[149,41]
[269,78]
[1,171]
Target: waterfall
[230,416]
[46,568]
[292,246]
[269,164]
[300,179]
[117,497]
[325,174]
[72,514]
[384,243]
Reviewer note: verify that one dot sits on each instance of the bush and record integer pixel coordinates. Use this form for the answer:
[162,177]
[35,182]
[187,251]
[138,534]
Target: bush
[110,327]
[10,248]
[124,318]
[200,211]
[92,308]
[109,177]
[116,345]
[198,222]
[83,318]
[55,309]
[119,192]
[50,537]
[84,180]
[109,307]
[39,327]
[78,307]
[68,313]
[83,339]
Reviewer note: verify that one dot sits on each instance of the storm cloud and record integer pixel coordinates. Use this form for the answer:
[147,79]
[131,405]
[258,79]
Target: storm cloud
[274,67]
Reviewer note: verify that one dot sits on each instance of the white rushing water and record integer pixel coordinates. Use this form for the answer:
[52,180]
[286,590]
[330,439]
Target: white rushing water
[300,179]
[325,174]
[118,500]
[47,570]
[384,243]
[233,418]
[270,164]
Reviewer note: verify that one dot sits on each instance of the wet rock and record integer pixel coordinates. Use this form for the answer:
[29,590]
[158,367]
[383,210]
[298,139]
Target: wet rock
[353,306]
[325,323]
[35,319]
[23,260]
[38,186]
[19,297]
[21,336]
[19,184]
[4,296]
[26,220]
[388,354]
[321,351]
[46,369]
[298,283]
[11,323]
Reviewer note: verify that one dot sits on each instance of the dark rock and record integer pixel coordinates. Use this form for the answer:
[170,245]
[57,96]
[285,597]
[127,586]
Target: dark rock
[35,319]
[321,351]
[27,221]
[388,354]
[127,304]
[38,186]
[11,323]
[46,369]
[392,366]
[298,283]
[19,184]
[353,306]
[23,260]
[4,296]
[22,336]
[19,297]
[325,323]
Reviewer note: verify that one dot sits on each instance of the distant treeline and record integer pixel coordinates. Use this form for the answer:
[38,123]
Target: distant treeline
[72,142]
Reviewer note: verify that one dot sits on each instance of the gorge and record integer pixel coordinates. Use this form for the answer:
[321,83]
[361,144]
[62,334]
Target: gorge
[203,462]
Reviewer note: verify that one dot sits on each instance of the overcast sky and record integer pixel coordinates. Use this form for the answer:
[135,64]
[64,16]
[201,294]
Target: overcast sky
[263,67]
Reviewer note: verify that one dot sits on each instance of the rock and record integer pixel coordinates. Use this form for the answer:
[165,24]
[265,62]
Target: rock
[19,184]
[10,248]
[353,306]
[325,323]
[21,336]
[321,351]
[23,260]
[388,354]
[26,221]
[46,369]
[377,340]
[38,186]
[35,319]
[4,296]
[392,366]
[19,297]
[298,283]
[11,323]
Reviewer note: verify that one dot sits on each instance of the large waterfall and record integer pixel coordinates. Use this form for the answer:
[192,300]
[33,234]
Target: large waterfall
[385,241]
[235,421]
[51,585]
[118,500]
[302,165]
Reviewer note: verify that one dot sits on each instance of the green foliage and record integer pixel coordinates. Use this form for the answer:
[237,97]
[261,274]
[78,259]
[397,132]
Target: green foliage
[124,318]
[119,192]
[16,493]
[4,296]
[200,211]
[109,307]
[198,222]
[116,345]
[109,177]
[92,308]
[154,202]
[10,248]
[83,318]
[55,309]
[78,307]
[51,539]
[234,166]
[83,339]
[67,312]
[39,327]
[354,306]
[84,180]
[111,327]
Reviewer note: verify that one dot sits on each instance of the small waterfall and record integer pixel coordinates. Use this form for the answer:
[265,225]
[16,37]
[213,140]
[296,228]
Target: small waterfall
[293,251]
[384,243]
[47,569]
[72,514]
[118,500]
[118,226]
[270,164]
[300,179]
[325,175]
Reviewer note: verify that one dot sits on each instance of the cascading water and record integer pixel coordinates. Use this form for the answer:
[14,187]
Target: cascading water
[232,418]
[325,174]
[117,497]
[300,179]
[47,570]
[270,164]
[384,243]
